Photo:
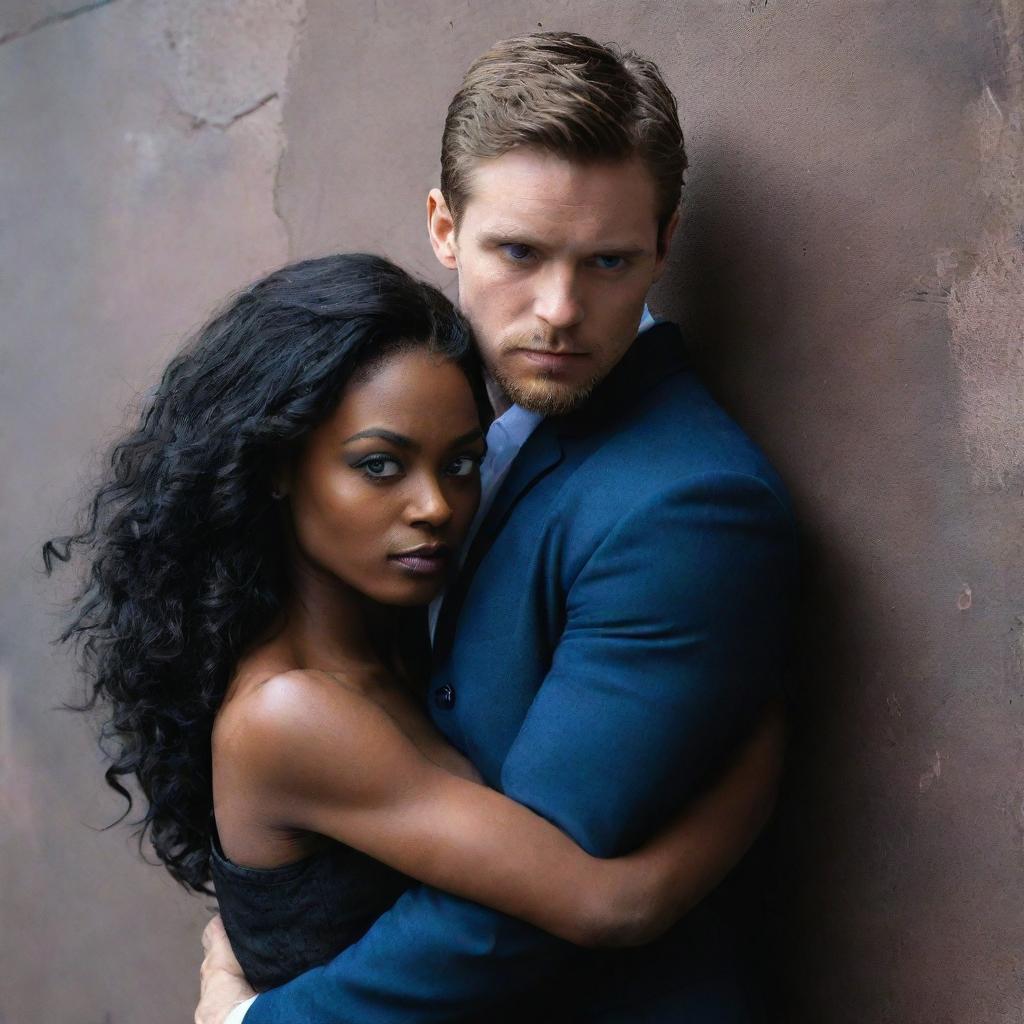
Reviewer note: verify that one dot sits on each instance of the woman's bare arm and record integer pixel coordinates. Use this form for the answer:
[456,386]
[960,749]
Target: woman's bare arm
[327,760]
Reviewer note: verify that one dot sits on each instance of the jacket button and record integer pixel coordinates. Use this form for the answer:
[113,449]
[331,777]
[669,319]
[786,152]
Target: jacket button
[444,697]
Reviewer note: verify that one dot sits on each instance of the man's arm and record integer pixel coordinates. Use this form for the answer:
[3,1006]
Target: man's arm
[674,639]
[664,878]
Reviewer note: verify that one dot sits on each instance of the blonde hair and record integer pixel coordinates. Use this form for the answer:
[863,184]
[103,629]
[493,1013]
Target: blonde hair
[571,96]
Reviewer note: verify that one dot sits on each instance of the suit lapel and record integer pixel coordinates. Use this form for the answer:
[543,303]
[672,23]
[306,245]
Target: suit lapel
[538,456]
[656,354]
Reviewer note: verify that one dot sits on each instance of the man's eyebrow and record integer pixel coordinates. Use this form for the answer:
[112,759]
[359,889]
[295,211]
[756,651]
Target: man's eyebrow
[622,250]
[500,236]
[398,440]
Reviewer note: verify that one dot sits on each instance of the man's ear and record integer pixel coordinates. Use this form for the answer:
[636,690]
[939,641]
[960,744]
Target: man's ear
[665,243]
[441,228]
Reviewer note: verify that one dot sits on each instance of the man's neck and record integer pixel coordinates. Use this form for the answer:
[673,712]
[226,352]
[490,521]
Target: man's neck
[500,402]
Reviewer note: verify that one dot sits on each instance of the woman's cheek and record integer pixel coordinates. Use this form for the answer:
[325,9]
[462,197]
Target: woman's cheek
[329,523]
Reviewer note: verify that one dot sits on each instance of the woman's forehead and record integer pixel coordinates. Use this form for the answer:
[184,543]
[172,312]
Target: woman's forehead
[413,393]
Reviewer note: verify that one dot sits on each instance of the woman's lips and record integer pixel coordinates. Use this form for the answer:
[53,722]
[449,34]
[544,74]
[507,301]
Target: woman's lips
[424,563]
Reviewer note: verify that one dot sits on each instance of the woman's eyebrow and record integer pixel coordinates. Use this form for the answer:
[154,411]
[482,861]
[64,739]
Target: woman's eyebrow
[472,435]
[399,440]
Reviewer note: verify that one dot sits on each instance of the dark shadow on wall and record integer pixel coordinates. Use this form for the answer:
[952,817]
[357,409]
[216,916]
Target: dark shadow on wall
[737,283]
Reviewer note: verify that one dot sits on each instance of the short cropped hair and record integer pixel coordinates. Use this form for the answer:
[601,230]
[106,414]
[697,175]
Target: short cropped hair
[571,96]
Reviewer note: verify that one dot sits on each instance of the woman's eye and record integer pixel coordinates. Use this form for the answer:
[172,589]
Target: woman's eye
[379,466]
[517,252]
[609,262]
[464,465]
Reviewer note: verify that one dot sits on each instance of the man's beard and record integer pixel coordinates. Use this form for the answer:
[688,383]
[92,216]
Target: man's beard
[544,394]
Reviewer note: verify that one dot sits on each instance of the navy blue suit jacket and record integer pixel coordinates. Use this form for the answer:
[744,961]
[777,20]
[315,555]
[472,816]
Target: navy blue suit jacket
[621,620]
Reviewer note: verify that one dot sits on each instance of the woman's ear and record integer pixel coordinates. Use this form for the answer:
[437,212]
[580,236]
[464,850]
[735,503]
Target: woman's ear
[280,483]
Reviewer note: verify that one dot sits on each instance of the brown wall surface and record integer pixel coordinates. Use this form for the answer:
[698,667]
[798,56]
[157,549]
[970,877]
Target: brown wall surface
[850,270]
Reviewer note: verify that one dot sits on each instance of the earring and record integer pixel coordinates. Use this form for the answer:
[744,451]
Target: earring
[276,494]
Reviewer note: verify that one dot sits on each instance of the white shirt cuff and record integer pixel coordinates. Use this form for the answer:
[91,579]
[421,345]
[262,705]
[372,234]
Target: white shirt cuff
[237,1015]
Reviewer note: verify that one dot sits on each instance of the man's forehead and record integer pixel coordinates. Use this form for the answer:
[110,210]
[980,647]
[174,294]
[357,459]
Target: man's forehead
[535,191]
[529,169]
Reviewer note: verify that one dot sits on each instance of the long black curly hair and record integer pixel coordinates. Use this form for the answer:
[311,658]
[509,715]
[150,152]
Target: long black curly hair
[185,545]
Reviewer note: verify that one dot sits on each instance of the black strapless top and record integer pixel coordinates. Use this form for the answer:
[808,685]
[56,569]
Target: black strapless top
[282,921]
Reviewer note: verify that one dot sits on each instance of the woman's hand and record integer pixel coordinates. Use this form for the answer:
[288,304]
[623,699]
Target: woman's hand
[222,985]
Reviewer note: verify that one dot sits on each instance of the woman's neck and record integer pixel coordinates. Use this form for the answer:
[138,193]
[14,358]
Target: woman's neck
[329,625]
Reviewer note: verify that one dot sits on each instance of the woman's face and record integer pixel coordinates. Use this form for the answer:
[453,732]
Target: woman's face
[384,491]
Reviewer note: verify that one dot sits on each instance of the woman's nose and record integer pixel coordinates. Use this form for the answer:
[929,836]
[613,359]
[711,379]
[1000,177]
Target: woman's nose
[429,504]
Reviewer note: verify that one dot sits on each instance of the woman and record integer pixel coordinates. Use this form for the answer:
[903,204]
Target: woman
[297,490]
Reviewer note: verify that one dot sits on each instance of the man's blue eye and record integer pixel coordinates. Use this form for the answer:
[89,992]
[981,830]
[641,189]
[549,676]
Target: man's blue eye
[379,466]
[516,251]
[609,262]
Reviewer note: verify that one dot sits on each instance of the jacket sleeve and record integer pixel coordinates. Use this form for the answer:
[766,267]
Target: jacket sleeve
[675,634]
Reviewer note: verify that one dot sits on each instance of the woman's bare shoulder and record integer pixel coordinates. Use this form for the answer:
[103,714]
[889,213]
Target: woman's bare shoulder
[290,717]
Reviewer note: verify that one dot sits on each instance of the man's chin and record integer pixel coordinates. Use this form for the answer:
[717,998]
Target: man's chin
[545,395]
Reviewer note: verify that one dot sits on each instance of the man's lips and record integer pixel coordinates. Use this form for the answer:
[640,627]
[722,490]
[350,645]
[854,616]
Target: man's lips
[426,560]
[551,360]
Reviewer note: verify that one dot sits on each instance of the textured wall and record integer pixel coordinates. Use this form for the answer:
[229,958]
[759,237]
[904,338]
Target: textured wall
[850,271]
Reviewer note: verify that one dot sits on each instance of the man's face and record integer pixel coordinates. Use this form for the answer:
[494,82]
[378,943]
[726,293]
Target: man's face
[555,259]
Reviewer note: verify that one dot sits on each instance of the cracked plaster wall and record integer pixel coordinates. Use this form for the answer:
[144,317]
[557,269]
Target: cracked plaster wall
[141,141]
[849,273]
[22,17]
[986,285]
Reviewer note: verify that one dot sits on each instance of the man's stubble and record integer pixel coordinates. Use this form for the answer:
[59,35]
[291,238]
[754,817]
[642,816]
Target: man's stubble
[543,392]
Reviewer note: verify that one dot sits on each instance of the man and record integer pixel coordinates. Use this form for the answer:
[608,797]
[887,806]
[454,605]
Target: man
[622,609]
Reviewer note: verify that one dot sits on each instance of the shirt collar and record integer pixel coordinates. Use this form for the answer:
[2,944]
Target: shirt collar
[647,321]
[517,424]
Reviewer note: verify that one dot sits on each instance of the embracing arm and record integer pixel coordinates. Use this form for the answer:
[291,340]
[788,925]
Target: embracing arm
[674,639]
[326,760]
[671,873]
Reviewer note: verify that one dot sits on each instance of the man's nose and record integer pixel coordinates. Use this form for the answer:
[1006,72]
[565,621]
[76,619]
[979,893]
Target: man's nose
[558,302]
[428,505]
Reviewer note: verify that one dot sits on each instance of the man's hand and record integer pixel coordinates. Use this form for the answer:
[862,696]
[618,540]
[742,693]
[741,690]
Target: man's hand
[222,985]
